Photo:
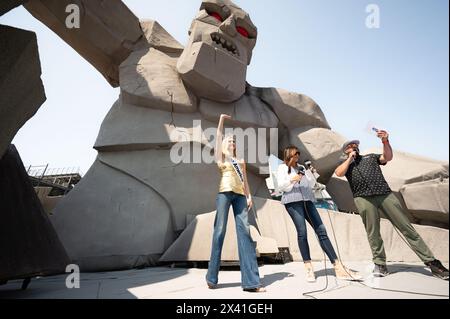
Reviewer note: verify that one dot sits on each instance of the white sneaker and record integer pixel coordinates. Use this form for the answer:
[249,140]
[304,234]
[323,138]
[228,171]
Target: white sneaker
[310,276]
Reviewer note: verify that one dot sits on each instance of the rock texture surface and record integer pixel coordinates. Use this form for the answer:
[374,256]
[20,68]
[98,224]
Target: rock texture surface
[29,245]
[7,5]
[20,81]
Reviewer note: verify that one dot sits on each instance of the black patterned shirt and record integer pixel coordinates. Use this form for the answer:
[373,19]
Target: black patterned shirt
[366,178]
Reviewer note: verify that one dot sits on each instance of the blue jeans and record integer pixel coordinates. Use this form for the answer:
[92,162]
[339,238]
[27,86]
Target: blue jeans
[298,214]
[246,246]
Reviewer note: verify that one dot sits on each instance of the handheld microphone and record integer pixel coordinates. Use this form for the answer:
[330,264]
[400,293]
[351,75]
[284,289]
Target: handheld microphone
[301,169]
[308,164]
[355,149]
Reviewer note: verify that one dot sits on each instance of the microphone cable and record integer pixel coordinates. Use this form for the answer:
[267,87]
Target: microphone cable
[309,293]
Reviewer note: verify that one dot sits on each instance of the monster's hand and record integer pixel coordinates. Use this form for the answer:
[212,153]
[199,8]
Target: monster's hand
[112,21]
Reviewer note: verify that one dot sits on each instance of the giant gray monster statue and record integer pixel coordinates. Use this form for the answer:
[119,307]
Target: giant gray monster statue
[134,201]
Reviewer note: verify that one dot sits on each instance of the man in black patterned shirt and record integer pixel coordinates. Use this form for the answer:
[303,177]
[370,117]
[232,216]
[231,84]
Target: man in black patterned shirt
[372,193]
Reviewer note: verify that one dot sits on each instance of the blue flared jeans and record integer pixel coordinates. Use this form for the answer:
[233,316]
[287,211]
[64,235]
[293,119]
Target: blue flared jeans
[246,246]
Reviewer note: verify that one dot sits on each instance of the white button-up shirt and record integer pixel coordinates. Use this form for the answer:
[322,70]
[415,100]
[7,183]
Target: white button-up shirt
[295,191]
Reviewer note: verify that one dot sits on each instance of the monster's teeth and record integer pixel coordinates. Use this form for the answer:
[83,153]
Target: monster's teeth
[224,43]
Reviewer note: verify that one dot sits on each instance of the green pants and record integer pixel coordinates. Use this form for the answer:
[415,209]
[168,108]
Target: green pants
[369,207]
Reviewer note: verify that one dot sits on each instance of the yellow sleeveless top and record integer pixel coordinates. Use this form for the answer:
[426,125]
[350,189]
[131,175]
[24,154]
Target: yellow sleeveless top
[230,181]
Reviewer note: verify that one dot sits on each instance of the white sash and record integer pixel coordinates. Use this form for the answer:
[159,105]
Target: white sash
[237,169]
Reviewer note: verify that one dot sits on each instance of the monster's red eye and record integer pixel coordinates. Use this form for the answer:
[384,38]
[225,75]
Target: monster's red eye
[243,32]
[216,15]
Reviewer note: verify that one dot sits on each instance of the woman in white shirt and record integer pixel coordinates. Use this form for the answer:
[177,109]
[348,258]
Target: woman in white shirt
[297,184]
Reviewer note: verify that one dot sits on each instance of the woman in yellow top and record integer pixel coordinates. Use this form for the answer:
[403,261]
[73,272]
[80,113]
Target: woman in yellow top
[233,190]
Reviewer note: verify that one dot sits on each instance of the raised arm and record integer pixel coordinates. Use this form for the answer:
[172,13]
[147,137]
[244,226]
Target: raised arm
[219,138]
[107,34]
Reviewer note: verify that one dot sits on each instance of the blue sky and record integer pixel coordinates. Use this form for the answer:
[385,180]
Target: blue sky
[395,76]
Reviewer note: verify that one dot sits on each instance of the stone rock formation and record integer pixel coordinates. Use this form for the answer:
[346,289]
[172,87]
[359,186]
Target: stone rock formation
[7,5]
[20,81]
[29,246]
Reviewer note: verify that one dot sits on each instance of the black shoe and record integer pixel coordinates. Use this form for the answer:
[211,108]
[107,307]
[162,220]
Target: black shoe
[437,269]
[380,271]
[255,290]
[25,283]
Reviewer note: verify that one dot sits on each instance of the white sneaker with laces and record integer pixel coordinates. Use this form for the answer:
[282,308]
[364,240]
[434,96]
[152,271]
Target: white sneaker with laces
[310,276]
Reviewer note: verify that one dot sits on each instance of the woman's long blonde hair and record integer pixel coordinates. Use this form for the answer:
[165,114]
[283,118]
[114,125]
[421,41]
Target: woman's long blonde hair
[225,140]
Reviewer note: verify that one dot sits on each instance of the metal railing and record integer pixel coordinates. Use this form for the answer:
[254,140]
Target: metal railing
[45,171]
[65,177]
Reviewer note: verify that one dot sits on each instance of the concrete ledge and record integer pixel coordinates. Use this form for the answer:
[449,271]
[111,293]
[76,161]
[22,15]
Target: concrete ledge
[195,242]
